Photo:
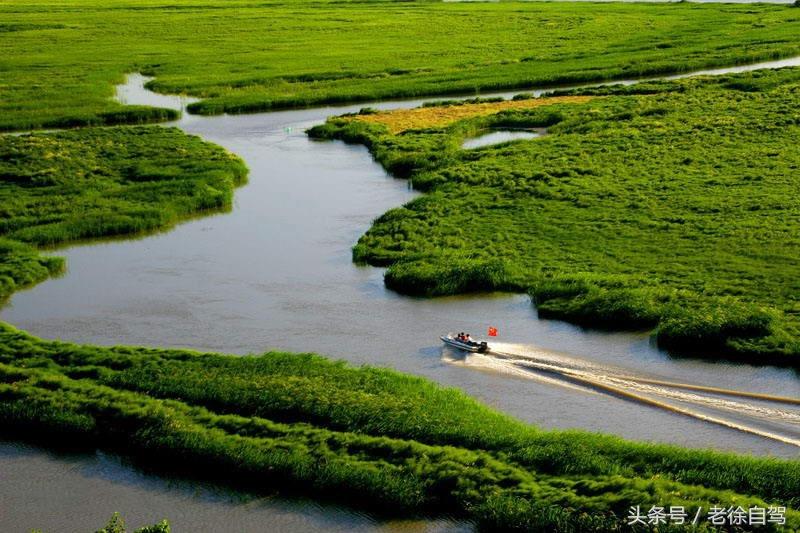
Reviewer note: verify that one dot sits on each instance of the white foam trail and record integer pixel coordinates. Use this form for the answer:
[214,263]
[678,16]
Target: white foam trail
[760,411]
[631,384]
[490,363]
[586,376]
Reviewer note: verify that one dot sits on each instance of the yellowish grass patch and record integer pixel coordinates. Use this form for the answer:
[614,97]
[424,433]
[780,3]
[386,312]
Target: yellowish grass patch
[400,120]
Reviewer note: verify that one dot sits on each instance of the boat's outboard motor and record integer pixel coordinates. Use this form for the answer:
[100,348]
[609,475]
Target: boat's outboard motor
[483,347]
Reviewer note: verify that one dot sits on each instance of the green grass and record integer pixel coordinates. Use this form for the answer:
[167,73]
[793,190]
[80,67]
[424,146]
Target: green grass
[117,525]
[368,437]
[242,56]
[671,209]
[98,182]
[375,438]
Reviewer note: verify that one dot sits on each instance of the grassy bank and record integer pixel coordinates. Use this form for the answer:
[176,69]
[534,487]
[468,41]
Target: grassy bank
[668,205]
[369,437]
[67,186]
[241,56]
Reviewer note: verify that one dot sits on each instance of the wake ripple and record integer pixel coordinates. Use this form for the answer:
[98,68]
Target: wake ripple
[687,399]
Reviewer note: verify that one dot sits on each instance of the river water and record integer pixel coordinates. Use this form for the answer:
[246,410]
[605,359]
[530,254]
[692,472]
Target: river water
[275,273]
[499,136]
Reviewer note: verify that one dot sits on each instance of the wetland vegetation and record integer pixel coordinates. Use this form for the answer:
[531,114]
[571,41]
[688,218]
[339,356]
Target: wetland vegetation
[240,56]
[99,182]
[703,169]
[390,442]
[667,205]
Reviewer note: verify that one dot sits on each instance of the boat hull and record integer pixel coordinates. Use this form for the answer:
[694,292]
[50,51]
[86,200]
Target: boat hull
[480,347]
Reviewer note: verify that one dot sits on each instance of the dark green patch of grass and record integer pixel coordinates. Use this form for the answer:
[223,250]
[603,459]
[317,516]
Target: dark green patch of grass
[62,187]
[368,437]
[667,206]
[21,265]
[240,56]
[117,525]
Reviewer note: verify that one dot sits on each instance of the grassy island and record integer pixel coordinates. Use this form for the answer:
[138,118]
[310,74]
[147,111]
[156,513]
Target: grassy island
[666,205]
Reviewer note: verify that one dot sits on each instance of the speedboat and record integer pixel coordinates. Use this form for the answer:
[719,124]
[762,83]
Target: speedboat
[470,346]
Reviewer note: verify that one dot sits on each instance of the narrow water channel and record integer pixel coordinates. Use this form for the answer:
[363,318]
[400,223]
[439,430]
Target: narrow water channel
[275,273]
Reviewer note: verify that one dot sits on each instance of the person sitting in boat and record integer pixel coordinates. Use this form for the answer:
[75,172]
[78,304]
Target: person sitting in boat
[460,337]
[467,338]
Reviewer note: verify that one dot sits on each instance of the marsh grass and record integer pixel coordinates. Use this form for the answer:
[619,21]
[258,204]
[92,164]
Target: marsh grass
[242,56]
[666,206]
[67,186]
[368,437]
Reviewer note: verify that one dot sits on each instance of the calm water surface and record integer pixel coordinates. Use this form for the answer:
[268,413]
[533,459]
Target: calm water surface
[500,136]
[77,493]
[275,273]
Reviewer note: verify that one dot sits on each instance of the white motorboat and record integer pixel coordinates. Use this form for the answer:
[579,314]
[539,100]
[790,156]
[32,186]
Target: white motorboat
[467,345]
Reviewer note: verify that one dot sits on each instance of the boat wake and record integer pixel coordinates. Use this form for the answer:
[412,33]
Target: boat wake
[768,416]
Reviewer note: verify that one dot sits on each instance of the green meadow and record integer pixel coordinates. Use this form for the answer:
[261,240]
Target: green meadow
[101,182]
[666,205]
[391,443]
[244,56]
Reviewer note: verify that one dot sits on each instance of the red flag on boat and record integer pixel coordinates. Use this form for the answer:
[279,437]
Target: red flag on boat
[492,331]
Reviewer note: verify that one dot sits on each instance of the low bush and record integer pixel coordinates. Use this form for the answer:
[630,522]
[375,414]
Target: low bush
[451,275]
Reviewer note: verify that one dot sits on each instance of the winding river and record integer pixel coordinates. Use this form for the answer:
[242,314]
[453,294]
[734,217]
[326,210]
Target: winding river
[275,273]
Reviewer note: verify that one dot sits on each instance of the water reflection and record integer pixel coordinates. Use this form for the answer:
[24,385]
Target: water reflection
[500,136]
